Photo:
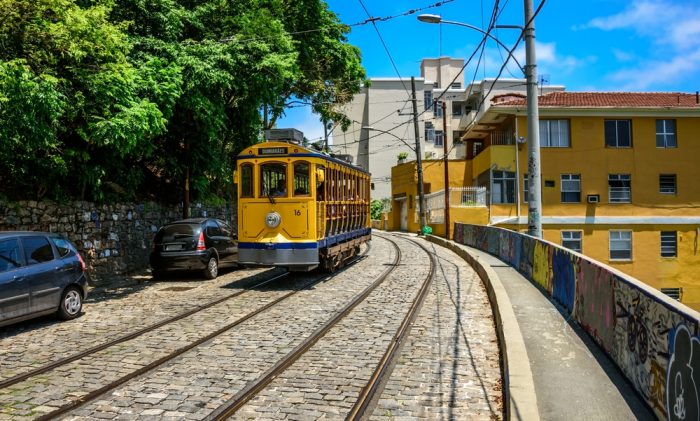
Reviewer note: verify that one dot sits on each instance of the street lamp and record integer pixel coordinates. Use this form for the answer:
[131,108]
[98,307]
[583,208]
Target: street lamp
[534,215]
[429,18]
[419,165]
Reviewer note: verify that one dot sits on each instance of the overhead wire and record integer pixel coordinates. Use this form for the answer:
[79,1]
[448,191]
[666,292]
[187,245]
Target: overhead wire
[468,61]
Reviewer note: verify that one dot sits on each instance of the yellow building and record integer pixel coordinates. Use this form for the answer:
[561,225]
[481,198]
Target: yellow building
[620,179]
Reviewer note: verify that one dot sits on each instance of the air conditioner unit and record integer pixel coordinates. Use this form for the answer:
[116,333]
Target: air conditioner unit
[593,198]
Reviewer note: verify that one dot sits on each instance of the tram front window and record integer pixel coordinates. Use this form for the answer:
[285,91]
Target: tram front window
[273,180]
[301,179]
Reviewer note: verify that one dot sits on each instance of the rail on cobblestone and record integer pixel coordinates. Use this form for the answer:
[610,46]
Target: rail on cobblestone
[653,339]
[372,391]
[71,358]
[232,405]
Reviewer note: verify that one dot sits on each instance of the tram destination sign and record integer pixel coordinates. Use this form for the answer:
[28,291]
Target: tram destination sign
[272,151]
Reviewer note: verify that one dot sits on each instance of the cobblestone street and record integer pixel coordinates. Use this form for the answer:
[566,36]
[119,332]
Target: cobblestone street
[448,369]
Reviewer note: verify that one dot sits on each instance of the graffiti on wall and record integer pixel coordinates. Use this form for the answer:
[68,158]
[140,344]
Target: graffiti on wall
[683,377]
[564,266]
[542,266]
[527,254]
[595,303]
[655,343]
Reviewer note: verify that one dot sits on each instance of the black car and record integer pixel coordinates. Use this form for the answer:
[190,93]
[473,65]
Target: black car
[194,244]
[40,273]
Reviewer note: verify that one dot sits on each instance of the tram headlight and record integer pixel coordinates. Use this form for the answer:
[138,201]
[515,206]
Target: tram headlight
[273,219]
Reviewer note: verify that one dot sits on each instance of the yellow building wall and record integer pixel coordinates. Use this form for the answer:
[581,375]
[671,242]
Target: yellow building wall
[404,185]
[589,157]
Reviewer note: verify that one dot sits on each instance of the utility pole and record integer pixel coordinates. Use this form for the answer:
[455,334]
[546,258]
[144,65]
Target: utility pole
[419,159]
[447,172]
[534,203]
[325,135]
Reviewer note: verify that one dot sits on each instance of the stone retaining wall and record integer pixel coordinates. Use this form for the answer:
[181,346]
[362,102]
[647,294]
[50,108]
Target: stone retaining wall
[114,239]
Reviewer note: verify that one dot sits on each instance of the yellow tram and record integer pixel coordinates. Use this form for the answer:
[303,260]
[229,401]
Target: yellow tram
[298,208]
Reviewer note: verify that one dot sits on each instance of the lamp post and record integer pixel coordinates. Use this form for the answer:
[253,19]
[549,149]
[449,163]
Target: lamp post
[534,221]
[421,196]
[429,18]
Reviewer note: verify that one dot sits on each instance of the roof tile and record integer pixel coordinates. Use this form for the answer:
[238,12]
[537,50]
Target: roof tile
[612,100]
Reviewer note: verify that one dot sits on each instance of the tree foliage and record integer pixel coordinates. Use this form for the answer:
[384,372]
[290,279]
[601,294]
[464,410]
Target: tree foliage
[126,99]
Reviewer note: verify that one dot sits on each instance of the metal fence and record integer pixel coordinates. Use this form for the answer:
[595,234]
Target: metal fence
[460,197]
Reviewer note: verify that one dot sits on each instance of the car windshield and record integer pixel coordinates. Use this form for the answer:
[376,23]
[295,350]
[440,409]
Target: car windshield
[176,231]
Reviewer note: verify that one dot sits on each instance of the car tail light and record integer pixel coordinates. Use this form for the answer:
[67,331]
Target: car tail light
[82,262]
[200,242]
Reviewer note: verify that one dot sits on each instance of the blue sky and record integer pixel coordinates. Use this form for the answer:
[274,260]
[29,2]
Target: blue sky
[594,45]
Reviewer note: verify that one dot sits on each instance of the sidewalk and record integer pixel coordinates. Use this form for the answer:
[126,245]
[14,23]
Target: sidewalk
[570,376]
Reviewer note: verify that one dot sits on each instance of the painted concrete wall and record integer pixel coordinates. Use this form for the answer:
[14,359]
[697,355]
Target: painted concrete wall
[653,339]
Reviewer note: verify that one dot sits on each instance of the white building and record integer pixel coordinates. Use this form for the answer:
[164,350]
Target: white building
[382,117]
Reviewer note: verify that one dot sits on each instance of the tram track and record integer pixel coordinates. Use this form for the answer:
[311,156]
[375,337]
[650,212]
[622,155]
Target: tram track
[71,358]
[381,373]
[79,401]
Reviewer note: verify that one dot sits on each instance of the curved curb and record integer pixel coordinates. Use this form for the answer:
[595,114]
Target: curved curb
[518,384]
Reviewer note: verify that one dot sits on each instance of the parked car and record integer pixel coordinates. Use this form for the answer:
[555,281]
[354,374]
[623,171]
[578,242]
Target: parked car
[40,273]
[204,244]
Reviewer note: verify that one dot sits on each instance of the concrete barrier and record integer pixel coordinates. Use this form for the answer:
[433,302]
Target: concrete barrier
[652,338]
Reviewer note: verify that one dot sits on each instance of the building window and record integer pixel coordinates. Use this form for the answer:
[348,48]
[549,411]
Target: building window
[667,183]
[438,138]
[456,85]
[665,133]
[429,132]
[457,136]
[554,133]
[526,188]
[428,99]
[572,240]
[620,245]
[477,147]
[570,188]
[669,244]
[456,108]
[618,133]
[437,108]
[619,188]
[503,187]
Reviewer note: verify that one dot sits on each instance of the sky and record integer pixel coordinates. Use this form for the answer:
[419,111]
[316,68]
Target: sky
[594,45]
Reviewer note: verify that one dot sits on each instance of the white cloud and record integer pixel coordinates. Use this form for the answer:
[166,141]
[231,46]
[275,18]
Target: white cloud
[665,22]
[656,73]
[622,55]
[671,27]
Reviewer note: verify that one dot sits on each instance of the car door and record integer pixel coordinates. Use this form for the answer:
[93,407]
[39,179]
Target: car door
[44,273]
[228,243]
[14,292]
[215,239]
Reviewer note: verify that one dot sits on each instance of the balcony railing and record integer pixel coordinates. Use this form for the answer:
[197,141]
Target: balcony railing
[460,197]
[502,138]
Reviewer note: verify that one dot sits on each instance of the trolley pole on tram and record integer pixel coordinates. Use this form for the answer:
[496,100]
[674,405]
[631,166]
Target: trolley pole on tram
[419,160]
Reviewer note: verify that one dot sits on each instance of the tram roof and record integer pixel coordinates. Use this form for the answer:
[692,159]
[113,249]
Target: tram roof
[254,152]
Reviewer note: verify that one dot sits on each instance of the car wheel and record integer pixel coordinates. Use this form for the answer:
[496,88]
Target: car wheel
[212,269]
[71,303]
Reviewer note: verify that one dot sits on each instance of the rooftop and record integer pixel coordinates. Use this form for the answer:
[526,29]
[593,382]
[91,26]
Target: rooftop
[611,99]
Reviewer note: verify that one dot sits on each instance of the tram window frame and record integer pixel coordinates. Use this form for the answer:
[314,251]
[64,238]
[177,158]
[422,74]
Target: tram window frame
[298,177]
[246,188]
[321,185]
[272,178]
